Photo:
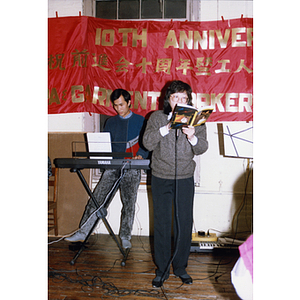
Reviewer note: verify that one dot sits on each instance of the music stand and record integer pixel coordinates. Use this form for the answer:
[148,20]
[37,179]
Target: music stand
[234,141]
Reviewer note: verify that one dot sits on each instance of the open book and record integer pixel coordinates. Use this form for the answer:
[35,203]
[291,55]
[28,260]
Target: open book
[185,115]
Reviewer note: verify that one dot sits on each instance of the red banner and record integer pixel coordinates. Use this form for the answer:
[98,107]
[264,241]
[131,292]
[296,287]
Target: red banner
[89,57]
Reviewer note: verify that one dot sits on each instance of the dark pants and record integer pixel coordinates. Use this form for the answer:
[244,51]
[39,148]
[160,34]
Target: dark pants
[164,192]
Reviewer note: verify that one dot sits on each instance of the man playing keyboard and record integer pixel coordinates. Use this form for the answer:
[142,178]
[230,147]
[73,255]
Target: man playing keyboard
[125,129]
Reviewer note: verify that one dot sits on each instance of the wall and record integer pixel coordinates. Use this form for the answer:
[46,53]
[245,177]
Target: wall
[214,10]
[66,8]
[74,122]
[72,197]
[223,179]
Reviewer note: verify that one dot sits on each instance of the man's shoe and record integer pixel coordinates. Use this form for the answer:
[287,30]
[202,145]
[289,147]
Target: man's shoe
[186,279]
[76,237]
[126,244]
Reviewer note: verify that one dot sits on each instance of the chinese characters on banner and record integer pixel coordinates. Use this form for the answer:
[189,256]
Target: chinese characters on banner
[90,57]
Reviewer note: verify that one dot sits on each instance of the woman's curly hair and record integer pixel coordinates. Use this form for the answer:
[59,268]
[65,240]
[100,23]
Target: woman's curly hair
[177,86]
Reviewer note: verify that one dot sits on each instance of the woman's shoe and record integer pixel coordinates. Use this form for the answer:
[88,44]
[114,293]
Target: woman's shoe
[157,282]
[186,279]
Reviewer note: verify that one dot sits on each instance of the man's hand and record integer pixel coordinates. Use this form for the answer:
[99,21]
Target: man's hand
[137,157]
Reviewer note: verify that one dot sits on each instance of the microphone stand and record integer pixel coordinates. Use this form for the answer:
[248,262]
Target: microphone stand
[176,212]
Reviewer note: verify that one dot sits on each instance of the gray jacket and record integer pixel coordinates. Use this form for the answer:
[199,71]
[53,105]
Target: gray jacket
[163,148]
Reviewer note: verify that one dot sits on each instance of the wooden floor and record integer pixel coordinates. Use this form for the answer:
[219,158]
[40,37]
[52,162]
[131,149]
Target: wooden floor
[98,274]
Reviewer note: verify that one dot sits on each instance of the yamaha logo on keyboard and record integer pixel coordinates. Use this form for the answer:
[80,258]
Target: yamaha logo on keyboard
[104,162]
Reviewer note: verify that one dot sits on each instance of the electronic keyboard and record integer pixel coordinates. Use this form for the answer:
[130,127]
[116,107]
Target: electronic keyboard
[82,163]
[211,246]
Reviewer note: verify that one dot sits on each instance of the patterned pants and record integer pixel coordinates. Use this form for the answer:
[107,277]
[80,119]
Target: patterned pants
[128,190]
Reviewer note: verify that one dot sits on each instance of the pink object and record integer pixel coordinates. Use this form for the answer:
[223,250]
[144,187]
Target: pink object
[246,252]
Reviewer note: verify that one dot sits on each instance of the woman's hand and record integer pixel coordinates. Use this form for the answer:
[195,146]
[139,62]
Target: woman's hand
[189,131]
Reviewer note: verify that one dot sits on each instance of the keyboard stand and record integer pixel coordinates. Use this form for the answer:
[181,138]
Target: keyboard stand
[101,214]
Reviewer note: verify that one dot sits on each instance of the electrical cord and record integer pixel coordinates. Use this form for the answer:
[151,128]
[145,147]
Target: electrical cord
[237,213]
[89,282]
